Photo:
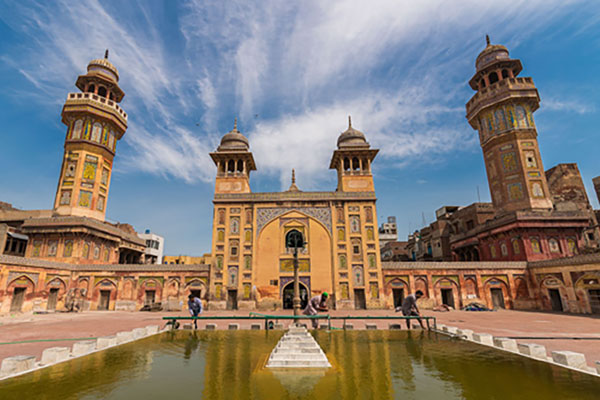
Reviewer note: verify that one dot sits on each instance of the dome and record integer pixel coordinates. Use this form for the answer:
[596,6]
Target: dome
[351,137]
[234,140]
[492,52]
[104,66]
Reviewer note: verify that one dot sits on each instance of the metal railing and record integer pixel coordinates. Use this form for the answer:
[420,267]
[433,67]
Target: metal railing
[276,318]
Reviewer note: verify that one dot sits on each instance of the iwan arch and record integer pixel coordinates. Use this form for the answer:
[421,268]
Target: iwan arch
[252,268]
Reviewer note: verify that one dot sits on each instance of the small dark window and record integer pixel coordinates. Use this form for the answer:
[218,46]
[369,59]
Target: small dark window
[346,164]
[111,96]
[91,88]
[493,78]
[234,251]
[273,282]
[240,166]
[356,249]
[102,91]
[231,166]
[355,164]
[482,83]
[504,74]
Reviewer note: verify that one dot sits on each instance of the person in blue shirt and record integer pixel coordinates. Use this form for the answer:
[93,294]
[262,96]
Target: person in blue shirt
[195,308]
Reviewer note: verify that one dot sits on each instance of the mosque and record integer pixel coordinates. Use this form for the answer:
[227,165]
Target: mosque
[51,256]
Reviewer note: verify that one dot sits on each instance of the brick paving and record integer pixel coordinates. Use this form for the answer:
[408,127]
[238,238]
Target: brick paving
[498,323]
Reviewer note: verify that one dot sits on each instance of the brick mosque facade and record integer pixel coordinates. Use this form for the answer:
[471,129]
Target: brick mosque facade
[525,250]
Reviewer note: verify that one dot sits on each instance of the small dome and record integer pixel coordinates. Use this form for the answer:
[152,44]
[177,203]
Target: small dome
[351,137]
[104,66]
[234,140]
[492,52]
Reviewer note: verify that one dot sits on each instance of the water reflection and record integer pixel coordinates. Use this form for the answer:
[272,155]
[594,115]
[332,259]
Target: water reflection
[366,365]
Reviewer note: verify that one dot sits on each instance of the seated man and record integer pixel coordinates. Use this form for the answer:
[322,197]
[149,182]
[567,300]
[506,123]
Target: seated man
[409,308]
[317,303]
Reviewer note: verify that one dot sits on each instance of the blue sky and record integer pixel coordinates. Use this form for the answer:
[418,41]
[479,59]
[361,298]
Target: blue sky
[291,72]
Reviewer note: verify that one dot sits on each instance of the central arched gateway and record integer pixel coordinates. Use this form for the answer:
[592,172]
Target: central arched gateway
[288,296]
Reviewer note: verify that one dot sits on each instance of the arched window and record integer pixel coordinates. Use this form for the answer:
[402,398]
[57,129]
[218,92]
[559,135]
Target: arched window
[91,88]
[493,78]
[102,91]
[231,166]
[111,96]
[355,164]
[482,84]
[346,164]
[240,166]
[504,74]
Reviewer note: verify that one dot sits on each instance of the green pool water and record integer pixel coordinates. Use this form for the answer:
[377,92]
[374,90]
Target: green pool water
[367,365]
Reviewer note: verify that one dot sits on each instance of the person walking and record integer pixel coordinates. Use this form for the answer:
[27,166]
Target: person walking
[195,308]
[316,304]
[409,308]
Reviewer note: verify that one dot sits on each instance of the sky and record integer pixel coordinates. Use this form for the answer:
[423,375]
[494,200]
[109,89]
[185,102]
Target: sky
[291,72]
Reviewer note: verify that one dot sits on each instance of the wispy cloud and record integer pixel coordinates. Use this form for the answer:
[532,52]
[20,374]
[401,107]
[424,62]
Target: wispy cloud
[292,71]
[574,106]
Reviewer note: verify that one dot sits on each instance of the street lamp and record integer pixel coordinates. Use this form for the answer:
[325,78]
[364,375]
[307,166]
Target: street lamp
[295,240]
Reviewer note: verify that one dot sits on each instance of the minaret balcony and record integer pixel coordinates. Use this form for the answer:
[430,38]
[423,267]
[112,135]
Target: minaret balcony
[75,101]
[507,88]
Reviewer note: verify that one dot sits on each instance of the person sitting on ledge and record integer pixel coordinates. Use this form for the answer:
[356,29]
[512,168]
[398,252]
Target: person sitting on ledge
[317,303]
[409,308]
[195,308]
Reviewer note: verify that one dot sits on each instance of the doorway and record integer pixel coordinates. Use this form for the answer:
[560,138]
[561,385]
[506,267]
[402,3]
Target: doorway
[150,296]
[232,300]
[52,299]
[288,296]
[497,298]
[398,295]
[555,299]
[17,299]
[104,300]
[196,293]
[447,297]
[594,295]
[359,299]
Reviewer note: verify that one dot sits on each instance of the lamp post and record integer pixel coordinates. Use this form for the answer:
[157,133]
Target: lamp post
[295,240]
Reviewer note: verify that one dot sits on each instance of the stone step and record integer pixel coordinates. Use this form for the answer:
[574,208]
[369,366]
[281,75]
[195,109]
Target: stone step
[297,357]
[297,349]
[298,345]
[299,364]
[300,350]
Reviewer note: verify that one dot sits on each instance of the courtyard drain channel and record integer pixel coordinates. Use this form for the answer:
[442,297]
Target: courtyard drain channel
[297,349]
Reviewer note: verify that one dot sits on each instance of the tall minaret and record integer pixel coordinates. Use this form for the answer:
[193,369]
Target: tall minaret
[95,122]
[234,162]
[502,112]
[352,160]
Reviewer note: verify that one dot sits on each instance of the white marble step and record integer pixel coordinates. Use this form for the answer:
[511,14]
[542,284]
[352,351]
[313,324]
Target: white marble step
[297,349]
[297,357]
[299,364]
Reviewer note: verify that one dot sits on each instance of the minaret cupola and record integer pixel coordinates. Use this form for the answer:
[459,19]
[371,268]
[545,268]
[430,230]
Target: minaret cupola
[234,162]
[352,160]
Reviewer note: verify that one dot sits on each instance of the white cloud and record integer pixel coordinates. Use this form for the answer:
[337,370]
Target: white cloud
[568,105]
[400,68]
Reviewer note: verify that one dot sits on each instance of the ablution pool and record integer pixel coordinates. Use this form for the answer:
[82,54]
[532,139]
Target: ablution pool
[366,365]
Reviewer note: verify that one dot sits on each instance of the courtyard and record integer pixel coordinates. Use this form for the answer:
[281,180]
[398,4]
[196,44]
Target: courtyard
[30,334]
